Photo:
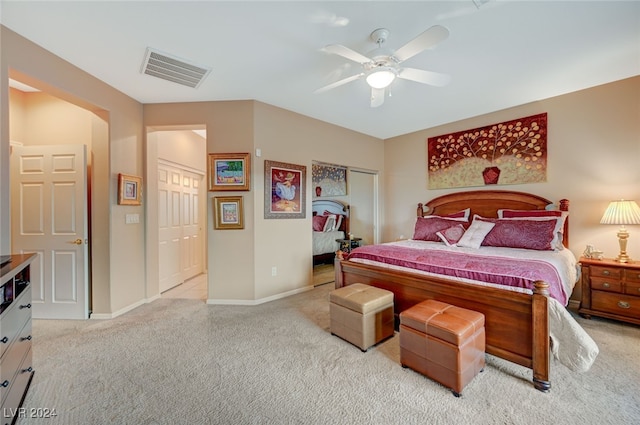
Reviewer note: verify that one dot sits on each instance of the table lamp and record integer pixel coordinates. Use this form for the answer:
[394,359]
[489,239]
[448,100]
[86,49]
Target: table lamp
[622,212]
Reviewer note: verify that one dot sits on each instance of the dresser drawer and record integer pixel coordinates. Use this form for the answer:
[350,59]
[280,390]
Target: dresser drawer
[609,272]
[606,285]
[632,275]
[623,305]
[17,390]
[13,319]
[13,358]
[632,288]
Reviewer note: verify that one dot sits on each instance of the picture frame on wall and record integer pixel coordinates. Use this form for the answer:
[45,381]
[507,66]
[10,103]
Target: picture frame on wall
[229,212]
[129,190]
[284,193]
[229,171]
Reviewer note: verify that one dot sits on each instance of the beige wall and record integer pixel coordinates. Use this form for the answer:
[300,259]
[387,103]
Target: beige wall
[117,250]
[594,149]
[593,157]
[240,261]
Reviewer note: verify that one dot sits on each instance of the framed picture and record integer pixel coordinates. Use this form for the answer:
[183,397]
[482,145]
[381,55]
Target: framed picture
[229,171]
[284,190]
[129,190]
[228,211]
[328,180]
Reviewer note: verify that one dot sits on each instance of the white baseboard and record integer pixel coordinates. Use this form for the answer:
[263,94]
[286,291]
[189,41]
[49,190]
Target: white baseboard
[103,316]
[261,300]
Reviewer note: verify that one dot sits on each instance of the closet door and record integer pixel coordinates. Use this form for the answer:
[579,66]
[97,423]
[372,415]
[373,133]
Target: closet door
[363,201]
[180,215]
[169,226]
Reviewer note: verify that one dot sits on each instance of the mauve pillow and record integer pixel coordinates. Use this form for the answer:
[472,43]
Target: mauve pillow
[427,227]
[539,235]
[451,235]
[528,213]
[318,222]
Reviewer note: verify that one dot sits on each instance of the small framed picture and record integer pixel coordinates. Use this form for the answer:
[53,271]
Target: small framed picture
[229,171]
[229,213]
[129,190]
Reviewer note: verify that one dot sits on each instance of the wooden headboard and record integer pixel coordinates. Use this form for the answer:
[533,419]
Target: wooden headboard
[486,203]
[319,206]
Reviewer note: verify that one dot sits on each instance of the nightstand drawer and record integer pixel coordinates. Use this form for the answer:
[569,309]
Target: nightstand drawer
[624,305]
[632,288]
[606,285]
[609,272]
[632,275]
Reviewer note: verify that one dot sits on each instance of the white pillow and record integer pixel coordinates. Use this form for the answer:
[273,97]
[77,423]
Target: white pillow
[475,234]
[330,224]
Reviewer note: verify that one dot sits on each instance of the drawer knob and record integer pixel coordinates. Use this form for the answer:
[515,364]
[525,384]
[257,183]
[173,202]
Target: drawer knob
[27,370]
[26,338]
[623,304]
[25,306]
[606,285]
[4,340]
[606,272]
[5,384]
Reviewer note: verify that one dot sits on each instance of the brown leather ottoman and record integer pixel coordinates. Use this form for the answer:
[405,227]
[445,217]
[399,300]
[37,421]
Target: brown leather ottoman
[361,314]
[443,342]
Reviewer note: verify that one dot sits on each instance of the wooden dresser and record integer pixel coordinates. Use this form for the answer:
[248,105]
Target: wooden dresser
[610,289]
[16,370]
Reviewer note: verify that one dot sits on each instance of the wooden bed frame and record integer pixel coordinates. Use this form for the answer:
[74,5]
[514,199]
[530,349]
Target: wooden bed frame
[319,206]
[516,324]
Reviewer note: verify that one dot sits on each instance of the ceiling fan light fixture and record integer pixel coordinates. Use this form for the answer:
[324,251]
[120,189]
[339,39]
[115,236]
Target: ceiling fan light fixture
[381,77]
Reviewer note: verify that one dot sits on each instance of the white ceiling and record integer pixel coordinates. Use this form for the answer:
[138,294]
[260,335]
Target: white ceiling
[502,54]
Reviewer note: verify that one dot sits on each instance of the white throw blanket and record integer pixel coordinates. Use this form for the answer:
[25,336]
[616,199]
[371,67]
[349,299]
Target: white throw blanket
[570,344]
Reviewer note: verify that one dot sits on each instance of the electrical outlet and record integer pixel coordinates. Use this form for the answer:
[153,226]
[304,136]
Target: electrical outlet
[274,271]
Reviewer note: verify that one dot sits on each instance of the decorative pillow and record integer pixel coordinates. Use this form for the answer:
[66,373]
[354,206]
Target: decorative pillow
[537,234]
[337,218]
[561,216]
[475,234]
[451,235]
[427,227]
[462,215]
[330,224]
[318,223]
[528,213]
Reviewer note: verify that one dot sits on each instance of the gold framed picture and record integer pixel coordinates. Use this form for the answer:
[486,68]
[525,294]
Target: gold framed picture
[229,171]
[229,212]
[129,190]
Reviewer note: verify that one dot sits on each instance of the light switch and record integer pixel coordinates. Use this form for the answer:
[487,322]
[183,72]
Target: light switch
[132,218]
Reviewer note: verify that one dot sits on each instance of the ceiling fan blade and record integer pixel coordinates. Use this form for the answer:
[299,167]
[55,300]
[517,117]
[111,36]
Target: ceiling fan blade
[425,77]
[345,52]
[339,83]
[426,40]
[377,97]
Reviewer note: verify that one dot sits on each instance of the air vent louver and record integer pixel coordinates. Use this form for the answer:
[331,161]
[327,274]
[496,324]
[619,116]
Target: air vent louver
[166,67]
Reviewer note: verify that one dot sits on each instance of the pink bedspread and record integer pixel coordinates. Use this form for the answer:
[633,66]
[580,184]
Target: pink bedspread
[514,272]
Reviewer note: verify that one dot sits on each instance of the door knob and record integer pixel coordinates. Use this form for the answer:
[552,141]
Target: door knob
[77,241]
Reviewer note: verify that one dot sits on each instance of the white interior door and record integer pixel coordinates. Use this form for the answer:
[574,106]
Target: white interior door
[49,218]
[179,225]
[170,227]
[192,258]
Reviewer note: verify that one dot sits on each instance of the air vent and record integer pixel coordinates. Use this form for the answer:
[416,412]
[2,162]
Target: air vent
[173,69]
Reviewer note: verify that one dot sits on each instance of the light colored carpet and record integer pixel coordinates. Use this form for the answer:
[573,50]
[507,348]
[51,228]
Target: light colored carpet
[178,361]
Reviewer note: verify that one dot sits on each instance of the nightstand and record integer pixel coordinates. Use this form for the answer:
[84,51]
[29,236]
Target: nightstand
[610,289]
[346,245]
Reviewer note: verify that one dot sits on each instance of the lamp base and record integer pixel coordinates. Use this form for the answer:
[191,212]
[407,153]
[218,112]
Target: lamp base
[623,258]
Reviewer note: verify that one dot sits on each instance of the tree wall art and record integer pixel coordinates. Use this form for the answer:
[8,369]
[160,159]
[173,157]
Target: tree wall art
[511,152]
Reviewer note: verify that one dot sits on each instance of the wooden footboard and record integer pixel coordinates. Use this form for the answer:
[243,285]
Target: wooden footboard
[516,324]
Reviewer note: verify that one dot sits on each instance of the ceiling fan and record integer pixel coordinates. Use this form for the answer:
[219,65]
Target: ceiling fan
[381,66]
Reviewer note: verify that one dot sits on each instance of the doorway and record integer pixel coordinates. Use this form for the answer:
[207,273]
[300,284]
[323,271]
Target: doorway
[61,273]
[363,201]
[176,174]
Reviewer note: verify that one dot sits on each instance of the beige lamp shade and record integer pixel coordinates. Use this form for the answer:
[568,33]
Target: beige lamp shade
[622,212]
